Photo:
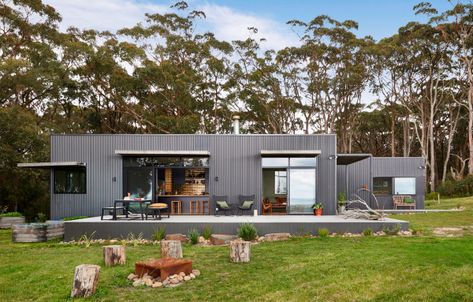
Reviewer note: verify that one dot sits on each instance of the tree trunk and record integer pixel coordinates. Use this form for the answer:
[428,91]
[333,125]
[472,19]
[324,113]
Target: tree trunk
[114,255]
[240,251]
[86,278]
[171,249]
[470,130]
[393,135]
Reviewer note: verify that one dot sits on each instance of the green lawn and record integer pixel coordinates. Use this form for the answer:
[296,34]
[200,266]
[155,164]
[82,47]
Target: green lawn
[419,268]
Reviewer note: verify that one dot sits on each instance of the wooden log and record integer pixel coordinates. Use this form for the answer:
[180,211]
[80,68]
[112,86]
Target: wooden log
[114,255]
[171,249]
[240,251]
[86,278]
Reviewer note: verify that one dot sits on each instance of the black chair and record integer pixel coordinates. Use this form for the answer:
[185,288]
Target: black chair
[111,210]
[222,204]
[246,203]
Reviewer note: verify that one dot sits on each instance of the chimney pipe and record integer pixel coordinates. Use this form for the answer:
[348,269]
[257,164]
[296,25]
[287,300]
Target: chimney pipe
[236,124]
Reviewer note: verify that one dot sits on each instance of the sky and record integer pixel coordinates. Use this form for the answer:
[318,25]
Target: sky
[229,20]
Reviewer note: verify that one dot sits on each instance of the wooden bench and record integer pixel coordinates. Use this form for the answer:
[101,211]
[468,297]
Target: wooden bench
[399,201]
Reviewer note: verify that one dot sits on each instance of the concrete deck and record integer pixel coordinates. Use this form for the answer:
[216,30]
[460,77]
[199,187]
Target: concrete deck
[294,224]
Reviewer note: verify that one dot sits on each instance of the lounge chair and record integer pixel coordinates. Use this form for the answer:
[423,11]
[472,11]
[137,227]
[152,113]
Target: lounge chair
[222,204]
[246,203]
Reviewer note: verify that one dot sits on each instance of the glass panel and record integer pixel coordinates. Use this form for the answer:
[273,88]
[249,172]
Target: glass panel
[275,161]
[301,190]
[139,183]
[70,180]
[161,161]
[405,185]
[382,185]
[195,162]
[303,161]
[280,186]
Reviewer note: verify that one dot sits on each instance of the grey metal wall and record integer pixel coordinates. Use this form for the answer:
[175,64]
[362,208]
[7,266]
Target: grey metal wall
[362,173]
[235,159]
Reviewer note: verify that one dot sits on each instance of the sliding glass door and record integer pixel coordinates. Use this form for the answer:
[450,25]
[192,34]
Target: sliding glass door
[301,190]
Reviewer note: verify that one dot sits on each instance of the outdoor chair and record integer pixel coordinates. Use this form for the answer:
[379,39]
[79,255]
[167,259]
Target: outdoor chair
[113,211]
[222,205]
[246,203]
[135,209]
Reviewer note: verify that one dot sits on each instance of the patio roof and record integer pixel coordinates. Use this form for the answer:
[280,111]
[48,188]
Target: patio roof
[293,153]
[164,152]
[347,159]
[51,164]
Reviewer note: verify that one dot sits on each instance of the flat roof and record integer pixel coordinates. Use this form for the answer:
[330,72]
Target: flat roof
[163,152]
[295,153]
[51,164]
[347,159]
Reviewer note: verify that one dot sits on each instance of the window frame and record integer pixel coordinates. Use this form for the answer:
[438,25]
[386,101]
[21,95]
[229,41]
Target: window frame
[394,189]
[77,170]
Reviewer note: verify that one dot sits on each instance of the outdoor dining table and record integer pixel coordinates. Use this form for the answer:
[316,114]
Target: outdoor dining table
[126,204]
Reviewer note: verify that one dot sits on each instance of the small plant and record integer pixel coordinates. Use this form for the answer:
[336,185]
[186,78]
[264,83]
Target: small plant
[193,236]
[159,234]
[392,230]
[135,239]
[247,232]
[368,232]
[11,214]
[87,239]
[323,232]
[342,198]
[207,232]
[317,205]
[42,217]
[74,218]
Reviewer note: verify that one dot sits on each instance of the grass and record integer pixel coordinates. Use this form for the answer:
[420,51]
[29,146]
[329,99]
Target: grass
[368,268]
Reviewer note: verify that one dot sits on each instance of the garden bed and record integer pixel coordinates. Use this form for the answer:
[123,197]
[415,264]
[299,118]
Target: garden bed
[37,232]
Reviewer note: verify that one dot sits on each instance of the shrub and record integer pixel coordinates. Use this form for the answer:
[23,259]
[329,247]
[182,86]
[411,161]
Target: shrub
[247,231]
[392,230]
[323,232]
[457,188]
[42,217]
[342,198]
[193,236]
[11,214]
[431,196]
[368,232]
[74,218]
[207,232]
[135,239]
[87,239]
[159,234]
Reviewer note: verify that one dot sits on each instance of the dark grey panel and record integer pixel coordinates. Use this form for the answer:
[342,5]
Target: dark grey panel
[235,159]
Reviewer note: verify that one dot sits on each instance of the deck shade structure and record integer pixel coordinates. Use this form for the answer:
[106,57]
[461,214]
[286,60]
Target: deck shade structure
[51,164]
[162,152]
[291,153]
[347,159]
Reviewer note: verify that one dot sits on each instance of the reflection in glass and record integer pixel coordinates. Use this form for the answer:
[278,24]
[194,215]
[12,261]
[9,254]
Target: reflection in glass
[275,161]
[280,182]
[70,180]
[139,183]
[301,190]
[405,185]
[303,161]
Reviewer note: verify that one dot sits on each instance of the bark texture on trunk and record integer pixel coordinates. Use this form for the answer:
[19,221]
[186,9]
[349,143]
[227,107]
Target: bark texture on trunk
[171,249]
[114,255]
[240,251]
[86,278]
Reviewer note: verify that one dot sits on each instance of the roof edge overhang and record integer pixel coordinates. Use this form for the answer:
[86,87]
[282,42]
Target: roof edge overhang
[290,153]
[163,152]
[51,164]
[350,158]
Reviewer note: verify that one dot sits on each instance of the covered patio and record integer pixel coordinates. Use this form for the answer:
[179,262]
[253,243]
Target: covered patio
[300,224]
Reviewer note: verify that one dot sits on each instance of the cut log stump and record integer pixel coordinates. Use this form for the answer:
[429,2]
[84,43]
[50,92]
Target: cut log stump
[171,249]
[240,251]
[114,255]
[86,278]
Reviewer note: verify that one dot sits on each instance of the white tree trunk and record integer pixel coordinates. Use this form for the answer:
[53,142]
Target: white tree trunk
[240,251]
[171,249]
[86,278]
[114,255]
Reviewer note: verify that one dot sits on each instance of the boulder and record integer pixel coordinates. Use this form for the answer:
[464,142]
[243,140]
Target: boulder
[277,236]
[221,239]
[180,237]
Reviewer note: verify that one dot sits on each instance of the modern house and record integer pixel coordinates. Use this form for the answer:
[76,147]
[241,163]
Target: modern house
[90,171]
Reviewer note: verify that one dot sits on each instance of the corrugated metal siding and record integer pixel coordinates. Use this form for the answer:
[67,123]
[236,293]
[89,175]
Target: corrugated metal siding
[235,159]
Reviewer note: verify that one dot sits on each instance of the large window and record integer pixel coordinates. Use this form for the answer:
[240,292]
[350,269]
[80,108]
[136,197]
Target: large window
[405,185]
[269,162]
[70,180]
[382,185]
[301,190]
[165,161]
[280,184]
[139,183]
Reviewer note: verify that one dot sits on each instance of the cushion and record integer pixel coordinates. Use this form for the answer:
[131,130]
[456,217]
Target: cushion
[409,200]
[222,204]
[247,204]
[158,206]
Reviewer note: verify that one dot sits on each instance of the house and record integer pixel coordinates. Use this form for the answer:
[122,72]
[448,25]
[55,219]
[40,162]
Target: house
[90,171]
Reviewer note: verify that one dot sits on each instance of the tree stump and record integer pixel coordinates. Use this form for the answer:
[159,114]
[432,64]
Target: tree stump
[86,278]
[240,251]
[171,249]
[114,255]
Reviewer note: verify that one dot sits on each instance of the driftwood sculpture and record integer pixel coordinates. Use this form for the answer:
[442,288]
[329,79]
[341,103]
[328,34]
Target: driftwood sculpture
[358,208]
